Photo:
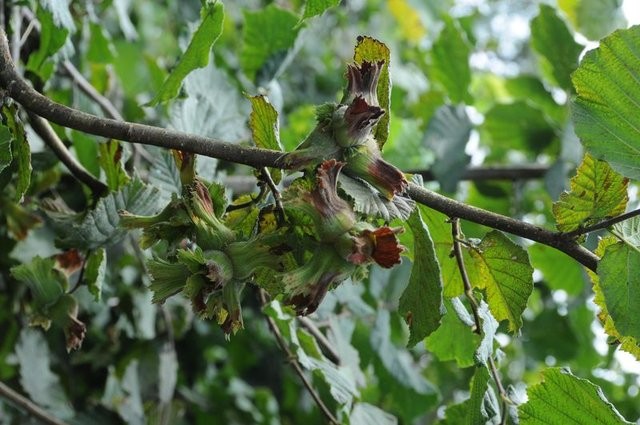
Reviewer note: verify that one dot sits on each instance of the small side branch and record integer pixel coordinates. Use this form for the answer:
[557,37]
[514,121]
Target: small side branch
[468,290]
[295,364]
[51,139]
[28,406]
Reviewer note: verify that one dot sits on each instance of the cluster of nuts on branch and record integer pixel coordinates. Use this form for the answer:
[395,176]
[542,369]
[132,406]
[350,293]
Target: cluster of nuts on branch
[320,243]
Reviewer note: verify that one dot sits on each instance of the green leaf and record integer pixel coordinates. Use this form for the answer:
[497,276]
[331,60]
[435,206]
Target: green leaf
[164,175]
[36,377]
[60,12]
[317,7]
[502,269]
[20,150]
[371,50]
[265,128]
[594,18]
[198,50]
[100,47]
[472,411]
[47,284]
[51,39]
[627,343]
[562,398]
[94,273]
[620,285]
[453,340]
[628,231]
[100,227]
[450,62]
[167,278]
[367,200]
[112,162]
[421,303]
[560,271]
[516,126]
[447,135]
[605,110]
[368,414]
[5,147]
[268,35]
[558,52]
[86,149]
[597,192]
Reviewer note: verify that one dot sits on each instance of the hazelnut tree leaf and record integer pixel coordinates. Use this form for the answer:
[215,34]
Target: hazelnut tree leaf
[563,398]
[197,53]
[317,7]
[421,303]
[597,192]
[604,112]
[450,61]
[502,270]
[265,128]
[20,150]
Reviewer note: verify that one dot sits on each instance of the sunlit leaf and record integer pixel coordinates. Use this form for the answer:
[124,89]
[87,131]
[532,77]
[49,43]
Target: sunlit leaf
[597,192]
[198,50]
[421,303]
[620,285]
[368,414]
[605,109]
[450,57]
[100,47]
[502,269]
[371,50]
[265,128]
[594,18]
[555,46]
[562,398]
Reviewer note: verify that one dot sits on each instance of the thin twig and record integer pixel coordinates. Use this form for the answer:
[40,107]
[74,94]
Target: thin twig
[328,349]
[51,139]
[28,406]
[522,172]
[274,191]
[19,90]
[468,291]
[604,224]
[295,364]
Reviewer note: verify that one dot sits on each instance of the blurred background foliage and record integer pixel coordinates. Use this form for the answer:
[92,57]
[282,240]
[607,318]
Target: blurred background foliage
[491,78]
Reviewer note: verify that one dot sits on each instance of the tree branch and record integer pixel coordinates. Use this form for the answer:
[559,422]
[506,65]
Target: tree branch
[453,208]
[28,406]
[51,139]
[522,172]
[603,224]
[295,364]
[20,91]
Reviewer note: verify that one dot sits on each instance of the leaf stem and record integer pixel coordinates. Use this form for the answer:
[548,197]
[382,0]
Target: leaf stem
[295,364]
[604,224]
[28,406]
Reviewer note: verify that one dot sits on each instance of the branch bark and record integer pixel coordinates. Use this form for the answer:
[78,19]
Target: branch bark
[18,89]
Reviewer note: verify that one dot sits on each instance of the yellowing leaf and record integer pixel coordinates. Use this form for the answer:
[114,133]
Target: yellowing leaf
[371,50]
[408,18]
[265,128]
[597,192]
[502,269]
